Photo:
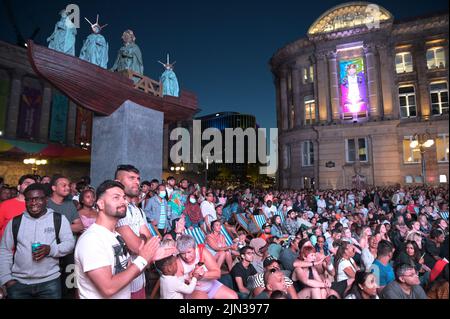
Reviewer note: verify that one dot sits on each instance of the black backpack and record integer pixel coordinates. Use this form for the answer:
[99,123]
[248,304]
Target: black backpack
[18,220]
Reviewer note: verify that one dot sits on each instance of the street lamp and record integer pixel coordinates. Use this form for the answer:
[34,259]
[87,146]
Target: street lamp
[422,141]
[35,163]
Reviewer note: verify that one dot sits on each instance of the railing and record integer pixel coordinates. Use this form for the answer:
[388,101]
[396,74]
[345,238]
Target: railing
[143,83]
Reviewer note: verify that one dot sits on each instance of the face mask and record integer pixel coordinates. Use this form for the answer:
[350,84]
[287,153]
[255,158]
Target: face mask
[192,200]
[162,194]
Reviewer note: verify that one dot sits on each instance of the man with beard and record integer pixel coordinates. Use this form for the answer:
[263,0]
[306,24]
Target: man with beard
[133,227]
[102,265]
[31,248]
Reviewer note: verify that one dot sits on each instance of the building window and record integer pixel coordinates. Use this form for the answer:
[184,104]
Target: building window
[407,98]
[439,98]
[356,149]
[442,178]
[436,58]
[308,153]
[403,62]
[409,179]
[410,155]
[292,116]
[442,148]
[308,74]
[287,157]
[310,110]
[418,179]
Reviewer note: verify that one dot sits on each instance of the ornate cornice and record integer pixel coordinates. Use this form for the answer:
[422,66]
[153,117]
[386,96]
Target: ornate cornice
[420,25]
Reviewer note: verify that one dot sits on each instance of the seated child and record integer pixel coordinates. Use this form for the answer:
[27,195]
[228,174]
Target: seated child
[173,287]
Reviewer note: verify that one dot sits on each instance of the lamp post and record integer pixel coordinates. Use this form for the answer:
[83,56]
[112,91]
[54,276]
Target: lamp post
[177,168]
[422,141]
[34,163]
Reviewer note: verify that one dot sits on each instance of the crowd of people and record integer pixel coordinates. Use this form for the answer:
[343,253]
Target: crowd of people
[66,239]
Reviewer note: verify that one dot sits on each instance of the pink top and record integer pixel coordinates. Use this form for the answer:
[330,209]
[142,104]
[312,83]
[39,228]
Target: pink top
[87,221]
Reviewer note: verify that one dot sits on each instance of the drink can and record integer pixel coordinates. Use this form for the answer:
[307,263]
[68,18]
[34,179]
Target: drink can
[35,246]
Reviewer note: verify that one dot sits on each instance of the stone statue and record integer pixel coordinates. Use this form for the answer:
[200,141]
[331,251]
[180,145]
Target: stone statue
[63,38]
[95,48]
[169,79]
[129,56]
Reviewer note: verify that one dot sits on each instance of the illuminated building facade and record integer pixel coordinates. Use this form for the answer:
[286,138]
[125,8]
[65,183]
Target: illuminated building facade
[352,95]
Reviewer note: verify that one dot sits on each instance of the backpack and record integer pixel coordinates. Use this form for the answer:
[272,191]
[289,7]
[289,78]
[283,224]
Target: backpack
[18,220]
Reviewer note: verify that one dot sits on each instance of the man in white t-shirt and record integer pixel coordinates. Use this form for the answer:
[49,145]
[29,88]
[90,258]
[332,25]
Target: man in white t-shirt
[208,210]
[269,210]
[102,266]
[133,227]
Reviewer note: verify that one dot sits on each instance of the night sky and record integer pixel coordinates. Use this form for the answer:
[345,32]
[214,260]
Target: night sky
[222,48]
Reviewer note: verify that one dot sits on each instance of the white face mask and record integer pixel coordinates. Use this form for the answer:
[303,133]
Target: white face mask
[162,194]
[192,200]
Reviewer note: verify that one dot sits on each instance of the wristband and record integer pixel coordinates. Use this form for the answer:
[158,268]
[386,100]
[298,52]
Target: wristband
[140,262]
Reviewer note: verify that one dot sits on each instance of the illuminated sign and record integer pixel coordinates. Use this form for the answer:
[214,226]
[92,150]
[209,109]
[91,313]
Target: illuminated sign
[352,82]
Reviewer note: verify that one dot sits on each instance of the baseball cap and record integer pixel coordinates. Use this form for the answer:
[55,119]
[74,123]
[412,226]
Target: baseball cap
[266,225]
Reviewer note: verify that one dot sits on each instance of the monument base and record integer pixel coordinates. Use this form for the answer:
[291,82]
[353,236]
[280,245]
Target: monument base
[133,135]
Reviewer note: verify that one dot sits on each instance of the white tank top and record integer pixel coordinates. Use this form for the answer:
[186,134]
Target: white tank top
[203,284]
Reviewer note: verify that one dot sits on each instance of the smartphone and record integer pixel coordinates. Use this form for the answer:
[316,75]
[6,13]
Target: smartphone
[423,255]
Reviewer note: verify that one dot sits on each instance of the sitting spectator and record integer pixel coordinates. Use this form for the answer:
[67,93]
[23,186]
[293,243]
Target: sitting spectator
[411,255]
[241,239]
[256,282]
[278,294]
[216,244]
[344,264]
[321,246]
[382,268]
[267,231]
[30,251]
[242,271]
[290,254]
[274,247]
[277,228]
[438,287]
[433,247]
[312,286]
[292,225]
[193,213]
[191,259]
[405,286]
[364,286]
[173,287]
[88,214]
[273,281]
[258,245]
[369,254]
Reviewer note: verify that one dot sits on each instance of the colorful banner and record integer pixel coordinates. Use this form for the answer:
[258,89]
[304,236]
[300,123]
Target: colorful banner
[353,85]
[83,132]
[58,120]
[4,94]
[29,113]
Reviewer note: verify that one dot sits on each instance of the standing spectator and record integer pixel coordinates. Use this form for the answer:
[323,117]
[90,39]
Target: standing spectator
[29,272]
[133,227]
[381,267]
[102,263]
[87,213]
[405,286]
[14,206]
[157,210]
[242,271]
[5,194]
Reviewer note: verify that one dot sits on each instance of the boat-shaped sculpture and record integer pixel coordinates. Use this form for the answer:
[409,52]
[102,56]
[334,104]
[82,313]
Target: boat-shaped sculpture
[104,91]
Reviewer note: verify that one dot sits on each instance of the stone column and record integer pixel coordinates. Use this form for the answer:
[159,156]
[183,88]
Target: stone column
[71,123]
[284,101]
[372,82]
[14,104]
[298,103]
[322,86]
[45,113]
[423,103]
[133,134]
[387,69]
[334,86]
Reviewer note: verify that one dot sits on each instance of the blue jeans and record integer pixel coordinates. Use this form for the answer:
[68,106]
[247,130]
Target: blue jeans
[45,290]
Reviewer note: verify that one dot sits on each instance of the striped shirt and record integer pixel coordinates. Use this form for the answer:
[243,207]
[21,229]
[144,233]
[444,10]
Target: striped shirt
[135,220]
